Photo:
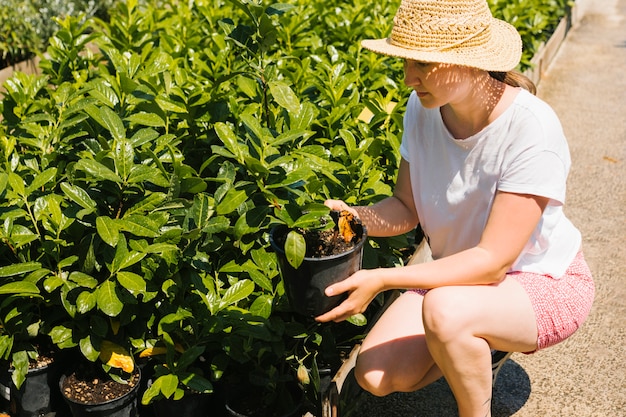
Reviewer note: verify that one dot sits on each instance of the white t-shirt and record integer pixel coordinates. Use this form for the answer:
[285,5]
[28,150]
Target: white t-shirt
[455,181]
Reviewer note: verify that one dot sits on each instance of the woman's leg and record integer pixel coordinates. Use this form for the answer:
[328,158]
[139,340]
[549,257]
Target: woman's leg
[394,356]
[463,323]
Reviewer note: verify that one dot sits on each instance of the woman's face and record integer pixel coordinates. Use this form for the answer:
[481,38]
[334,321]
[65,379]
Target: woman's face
[437,84]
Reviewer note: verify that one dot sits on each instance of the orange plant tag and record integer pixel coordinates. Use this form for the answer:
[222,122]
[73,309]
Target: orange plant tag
[345,225]
[116,356]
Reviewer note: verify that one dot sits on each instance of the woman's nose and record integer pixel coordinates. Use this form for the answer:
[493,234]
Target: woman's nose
[411,75]
[411,78]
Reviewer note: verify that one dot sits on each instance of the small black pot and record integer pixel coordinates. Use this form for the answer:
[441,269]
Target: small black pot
[188,405]
[305,286]
[124,406]
[34,398]
[248,402]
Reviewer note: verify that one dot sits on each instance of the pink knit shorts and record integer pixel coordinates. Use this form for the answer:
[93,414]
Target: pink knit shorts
[561,305]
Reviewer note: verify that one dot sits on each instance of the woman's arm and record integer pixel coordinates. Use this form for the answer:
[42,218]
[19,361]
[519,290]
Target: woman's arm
[392,216]
[512,220]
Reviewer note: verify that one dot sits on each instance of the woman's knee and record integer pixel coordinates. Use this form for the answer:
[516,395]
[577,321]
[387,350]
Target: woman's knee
[374,374]
[446,312]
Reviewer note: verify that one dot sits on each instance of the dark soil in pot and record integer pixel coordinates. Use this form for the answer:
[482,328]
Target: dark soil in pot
[89,391]
[347,234]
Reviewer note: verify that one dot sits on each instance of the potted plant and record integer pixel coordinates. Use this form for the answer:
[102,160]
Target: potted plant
[28,359]
[313,256]
[107,389]
[187,354]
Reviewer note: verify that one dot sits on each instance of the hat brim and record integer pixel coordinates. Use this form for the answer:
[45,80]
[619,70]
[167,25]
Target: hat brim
[501,54]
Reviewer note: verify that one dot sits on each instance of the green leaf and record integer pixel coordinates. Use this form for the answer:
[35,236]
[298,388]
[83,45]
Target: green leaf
[78,196]
[139,226]
[261,279]
[69,261]
[284,96]
[86,301]
[127,259]
[123,157]
[20,287]
[143,136]
[295,248]
[167,384]
[42,179]
[250,221]
[146,119]
[160,248]
[134,283]
[108,300]
[170,105]
[21,235]
[229,139]
[237,292]
[18,269]
[141,173]
[197,383]
[60,334]
[102,92]
[97,170]
[87,349]
[262,306]
[202,209]
[20,362]
[83,280]
[147,204]
[113,123]
[233,199]
[358,320]
[108,230]
[308,221]
[17,184]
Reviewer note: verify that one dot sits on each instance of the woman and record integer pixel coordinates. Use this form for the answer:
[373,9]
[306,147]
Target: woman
[483,171]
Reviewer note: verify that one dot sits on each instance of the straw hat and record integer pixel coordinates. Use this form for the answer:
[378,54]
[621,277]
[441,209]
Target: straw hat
[461,32]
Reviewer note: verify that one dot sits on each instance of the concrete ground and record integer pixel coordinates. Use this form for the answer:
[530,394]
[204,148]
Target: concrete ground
[585,376]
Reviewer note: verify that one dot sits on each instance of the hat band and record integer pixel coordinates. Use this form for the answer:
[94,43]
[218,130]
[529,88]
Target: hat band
[403,44]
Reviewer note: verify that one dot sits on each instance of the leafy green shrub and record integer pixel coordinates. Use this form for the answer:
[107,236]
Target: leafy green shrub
[138,183]
[26,25]
[18,32]
[535,20]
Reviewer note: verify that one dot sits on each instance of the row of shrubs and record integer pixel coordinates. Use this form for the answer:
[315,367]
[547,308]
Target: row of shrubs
[139,178]
[26,25]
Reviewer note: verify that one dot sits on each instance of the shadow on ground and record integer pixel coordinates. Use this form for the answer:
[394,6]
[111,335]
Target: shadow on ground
[511,392]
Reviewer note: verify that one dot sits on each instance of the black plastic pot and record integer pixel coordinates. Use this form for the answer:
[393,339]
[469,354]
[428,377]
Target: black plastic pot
[247,402]
[188,405]
[124,406]
[305,286]
[34,398]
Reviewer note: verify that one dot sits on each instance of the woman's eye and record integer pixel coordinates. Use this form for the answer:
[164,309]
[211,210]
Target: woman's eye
[417,64]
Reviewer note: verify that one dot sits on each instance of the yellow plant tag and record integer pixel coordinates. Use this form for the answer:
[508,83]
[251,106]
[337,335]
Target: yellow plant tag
[116,356]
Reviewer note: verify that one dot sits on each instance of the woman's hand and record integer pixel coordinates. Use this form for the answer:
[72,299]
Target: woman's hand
[362,287]
[339,205]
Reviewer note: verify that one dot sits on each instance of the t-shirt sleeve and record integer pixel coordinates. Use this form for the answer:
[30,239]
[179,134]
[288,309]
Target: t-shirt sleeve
[542,173]
[538,158]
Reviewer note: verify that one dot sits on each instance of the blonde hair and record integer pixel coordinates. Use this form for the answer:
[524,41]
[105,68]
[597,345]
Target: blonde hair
[515,79]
